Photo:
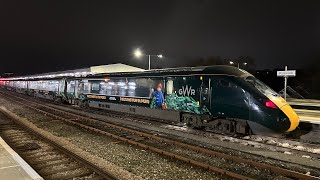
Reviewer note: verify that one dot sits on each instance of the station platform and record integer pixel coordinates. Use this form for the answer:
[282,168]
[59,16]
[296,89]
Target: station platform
[304,102]
[308,110]
[13,167]
[309,116]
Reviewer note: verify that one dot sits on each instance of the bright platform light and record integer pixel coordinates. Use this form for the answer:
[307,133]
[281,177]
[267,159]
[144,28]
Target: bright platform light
[137,53]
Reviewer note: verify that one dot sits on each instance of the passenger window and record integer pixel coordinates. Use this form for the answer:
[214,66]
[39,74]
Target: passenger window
[95,87]
[169,86]
[86,86]
[70,87]
[104,86]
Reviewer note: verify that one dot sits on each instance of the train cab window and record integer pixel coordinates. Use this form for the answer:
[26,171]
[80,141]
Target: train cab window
[169,86]
[263,88]
[226,84]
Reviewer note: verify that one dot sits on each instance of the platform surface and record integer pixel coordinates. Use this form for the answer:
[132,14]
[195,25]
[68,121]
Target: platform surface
[12,166]
[310,116]
[304,102]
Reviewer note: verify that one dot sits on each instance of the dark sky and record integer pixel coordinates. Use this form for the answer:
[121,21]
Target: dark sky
[41,36]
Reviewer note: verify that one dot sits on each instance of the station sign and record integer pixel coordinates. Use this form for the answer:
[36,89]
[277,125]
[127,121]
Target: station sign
[286,74]
[290,73]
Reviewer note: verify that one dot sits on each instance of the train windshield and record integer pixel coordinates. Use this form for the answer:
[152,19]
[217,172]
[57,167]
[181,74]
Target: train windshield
[263,88]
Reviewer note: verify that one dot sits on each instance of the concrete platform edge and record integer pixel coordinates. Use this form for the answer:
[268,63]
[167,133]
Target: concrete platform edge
[25,166]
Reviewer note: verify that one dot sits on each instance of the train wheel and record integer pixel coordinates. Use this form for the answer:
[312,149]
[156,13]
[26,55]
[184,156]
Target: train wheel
[84,104]
[193,121]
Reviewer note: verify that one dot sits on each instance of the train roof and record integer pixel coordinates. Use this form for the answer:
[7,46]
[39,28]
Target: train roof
[77,73]
[116,70]
[223,69]
[216,69]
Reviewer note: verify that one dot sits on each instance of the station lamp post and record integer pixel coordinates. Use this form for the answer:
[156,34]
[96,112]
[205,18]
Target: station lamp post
[231,62]
[138,53]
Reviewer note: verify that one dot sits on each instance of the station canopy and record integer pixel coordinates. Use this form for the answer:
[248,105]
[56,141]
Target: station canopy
[102,69]
[114,68]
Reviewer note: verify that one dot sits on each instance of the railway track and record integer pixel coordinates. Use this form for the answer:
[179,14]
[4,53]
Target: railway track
[152,142]
[260,142]
[49,159]
[271,143]
[255,140]
[280,144]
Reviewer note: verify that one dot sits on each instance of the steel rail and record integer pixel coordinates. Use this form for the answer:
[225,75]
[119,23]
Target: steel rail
[146,147]
[82,160]
[271,168]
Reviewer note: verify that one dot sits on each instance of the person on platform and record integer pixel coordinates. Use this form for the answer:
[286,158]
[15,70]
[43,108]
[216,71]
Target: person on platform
[159,96]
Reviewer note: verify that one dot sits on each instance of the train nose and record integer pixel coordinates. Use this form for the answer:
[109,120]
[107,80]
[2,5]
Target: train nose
[292,115]
[287,110]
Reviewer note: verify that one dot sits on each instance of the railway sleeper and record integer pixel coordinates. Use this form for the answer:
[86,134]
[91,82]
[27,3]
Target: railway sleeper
[53,163]
[35,162]
[81,173]
[68,167]
[36,151]
[45,154]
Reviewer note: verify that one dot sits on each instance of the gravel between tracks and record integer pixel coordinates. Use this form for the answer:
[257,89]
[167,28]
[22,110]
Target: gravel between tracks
[137,161]
[117,171]
[281,159]
[100,150]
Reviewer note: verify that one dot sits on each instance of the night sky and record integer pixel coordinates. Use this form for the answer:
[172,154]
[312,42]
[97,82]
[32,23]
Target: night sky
[42,36]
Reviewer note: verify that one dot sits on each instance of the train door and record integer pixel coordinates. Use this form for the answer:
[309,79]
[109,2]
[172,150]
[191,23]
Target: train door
[76,89]
[62,88]
[205,96]
[169,86]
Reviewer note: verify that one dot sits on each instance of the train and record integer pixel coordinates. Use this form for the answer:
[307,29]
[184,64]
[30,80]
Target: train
[223,98]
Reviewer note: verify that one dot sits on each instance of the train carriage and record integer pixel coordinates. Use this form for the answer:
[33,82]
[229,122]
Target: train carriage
[224,98]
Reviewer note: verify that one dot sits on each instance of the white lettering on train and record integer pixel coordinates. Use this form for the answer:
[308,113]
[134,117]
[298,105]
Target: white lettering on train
[187,91]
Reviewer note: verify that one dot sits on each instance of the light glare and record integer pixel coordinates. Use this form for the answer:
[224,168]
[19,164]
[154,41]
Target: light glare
[137,53]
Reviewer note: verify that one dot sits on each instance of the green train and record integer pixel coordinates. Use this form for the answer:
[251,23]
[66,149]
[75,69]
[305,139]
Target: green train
[223,98]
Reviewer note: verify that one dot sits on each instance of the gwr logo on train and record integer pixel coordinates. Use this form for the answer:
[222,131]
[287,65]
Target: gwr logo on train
[187,91]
